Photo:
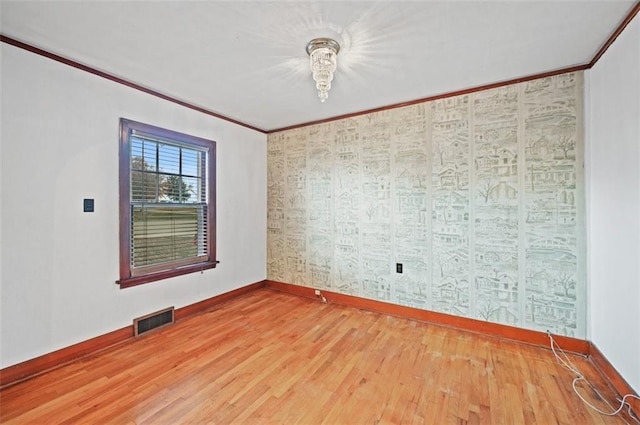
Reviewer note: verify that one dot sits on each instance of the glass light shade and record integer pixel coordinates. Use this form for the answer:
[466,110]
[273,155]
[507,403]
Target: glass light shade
[323,61]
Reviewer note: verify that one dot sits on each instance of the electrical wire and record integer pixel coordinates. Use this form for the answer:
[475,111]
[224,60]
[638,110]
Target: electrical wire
[566,363]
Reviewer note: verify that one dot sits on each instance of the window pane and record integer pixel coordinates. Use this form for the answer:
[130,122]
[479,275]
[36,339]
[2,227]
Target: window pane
[165,234]
[169,159]
[192,184]
[143,154]
[177,189]
[144,186]
[191,162]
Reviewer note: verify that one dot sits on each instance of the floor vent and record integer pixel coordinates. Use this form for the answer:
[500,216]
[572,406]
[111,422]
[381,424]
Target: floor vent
[153,321]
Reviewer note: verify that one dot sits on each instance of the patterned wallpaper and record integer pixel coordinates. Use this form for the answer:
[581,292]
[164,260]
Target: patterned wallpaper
[478,196]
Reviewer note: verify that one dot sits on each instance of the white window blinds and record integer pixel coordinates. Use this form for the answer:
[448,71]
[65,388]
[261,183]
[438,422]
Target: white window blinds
[168,193]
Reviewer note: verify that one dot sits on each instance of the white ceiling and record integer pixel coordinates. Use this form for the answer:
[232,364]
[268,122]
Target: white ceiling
[246,60]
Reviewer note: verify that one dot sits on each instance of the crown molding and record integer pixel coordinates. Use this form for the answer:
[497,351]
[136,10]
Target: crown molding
[74,64]
[70,62]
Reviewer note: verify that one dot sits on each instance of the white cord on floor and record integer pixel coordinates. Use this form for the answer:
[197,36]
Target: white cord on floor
[615,412]
[565,362]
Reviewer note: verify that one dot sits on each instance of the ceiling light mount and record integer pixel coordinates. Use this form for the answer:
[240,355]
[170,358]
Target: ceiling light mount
[322,59]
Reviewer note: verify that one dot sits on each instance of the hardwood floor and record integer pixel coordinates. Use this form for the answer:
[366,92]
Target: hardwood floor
[275,358]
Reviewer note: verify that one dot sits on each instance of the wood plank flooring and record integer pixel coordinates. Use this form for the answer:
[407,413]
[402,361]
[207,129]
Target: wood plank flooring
[275,358]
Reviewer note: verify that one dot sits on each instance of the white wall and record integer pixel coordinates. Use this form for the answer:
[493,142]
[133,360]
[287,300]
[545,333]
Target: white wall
[613,203]
[59,144]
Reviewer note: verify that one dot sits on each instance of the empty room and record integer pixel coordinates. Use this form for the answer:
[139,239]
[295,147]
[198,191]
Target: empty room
[320,212]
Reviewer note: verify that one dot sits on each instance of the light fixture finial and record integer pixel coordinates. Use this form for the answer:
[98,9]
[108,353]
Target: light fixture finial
[322,58]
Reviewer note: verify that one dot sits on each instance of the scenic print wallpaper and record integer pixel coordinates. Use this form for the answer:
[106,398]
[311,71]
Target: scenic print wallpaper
[478,196]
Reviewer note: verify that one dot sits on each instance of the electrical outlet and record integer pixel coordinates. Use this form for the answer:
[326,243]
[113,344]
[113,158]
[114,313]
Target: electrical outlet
[398,267]
[317,292]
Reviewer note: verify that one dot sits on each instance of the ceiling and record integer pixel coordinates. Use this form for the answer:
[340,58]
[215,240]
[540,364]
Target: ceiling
[246,60]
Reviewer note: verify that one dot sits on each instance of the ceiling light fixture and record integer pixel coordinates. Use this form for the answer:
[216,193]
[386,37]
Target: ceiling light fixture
[322,57]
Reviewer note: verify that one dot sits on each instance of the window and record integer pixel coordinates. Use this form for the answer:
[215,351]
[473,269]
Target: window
[167,203]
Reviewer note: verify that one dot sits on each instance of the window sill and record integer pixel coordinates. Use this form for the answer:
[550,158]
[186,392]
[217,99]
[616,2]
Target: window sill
[165,274]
